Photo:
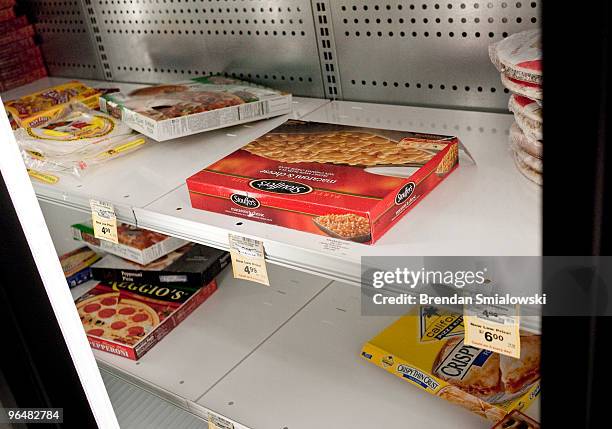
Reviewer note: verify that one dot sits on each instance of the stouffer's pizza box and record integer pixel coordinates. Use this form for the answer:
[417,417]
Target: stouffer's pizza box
[338,181]
[135,244]
[189,266]
[426,349]
[169,111]
[128,319]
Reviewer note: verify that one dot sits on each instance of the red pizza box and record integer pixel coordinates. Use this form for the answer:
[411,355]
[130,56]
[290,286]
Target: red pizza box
[338,181]
[127,319]
[20,69]
[18,34]
[4,4]
[13,24]
[22,80]
[6,14]
[30,57]
[8,50]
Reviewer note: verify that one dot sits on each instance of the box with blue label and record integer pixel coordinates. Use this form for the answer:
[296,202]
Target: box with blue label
[426,349]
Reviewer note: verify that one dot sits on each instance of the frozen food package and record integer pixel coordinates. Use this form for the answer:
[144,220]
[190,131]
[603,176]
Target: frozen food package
[526,89]
[519,56]
[531,146]
[531,161]
[528,115]
[77,139]
[527,171]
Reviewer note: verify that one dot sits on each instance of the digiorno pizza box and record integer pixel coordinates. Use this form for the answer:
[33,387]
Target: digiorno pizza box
[135,244]
[425,348]
[180,109]
[127,319]
[338,181]
[77,265]
[189,266]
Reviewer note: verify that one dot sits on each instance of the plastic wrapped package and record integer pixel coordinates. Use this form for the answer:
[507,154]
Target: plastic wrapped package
[527,171]
[76,140]
[528,116]
[519,56]
[532,162]
[526,89]
[531,146]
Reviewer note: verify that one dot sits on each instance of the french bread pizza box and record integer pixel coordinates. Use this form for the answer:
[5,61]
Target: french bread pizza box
[189,266]
[338,181]
[180,109]
[426,349]
[135,244]
[77,265]
[127,319]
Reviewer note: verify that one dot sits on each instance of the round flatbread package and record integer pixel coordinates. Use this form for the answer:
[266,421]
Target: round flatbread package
[526,89]
[528,115]
[531,146]
[532,162]
[76,140]
[526,171]
[519,56]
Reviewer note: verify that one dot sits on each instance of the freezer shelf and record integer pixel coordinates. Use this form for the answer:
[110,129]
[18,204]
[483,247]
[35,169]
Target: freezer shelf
[139,178]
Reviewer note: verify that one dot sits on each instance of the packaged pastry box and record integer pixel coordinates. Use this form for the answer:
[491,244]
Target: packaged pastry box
[77,265]
[135,244]
[169,111]
[189,266]
[337,181]
[425,348]
[127,319]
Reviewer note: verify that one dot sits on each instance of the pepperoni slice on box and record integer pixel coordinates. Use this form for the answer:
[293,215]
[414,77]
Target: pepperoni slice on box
[136,330]
[90,308]
[96,332]
[109,301]
[126,311]
[106,313]
[118,325]
[140,317]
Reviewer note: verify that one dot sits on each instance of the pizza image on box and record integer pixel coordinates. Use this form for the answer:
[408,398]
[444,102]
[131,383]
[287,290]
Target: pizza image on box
[127,319]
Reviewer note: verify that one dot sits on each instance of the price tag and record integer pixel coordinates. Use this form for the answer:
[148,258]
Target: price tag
[104,221]
[248,261]
[216,422]
[493,328]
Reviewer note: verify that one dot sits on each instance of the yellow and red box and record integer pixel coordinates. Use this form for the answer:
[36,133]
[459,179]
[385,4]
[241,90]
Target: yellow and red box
[351,183]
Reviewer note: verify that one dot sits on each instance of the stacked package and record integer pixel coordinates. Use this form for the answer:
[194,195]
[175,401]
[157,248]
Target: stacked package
[21,61]
[149,283]
[519,60]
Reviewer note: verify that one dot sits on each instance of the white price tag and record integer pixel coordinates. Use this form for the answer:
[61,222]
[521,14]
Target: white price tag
[217,422]
[493,328]
[248,260]
[104,221]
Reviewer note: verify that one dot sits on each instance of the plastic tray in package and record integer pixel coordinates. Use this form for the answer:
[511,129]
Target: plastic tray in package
[74,142]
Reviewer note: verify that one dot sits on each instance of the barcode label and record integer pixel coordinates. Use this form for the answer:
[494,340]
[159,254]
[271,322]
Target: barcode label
[253,110]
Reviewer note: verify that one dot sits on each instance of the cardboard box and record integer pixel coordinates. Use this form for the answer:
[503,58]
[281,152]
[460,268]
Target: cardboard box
[169,111]
[127,319]
[135,244]
[77,265]
[426,349]
[190,266]
[345,182]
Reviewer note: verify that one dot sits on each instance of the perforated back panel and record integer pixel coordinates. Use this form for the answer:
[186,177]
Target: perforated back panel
[66,38]
[268,42]
[425,52]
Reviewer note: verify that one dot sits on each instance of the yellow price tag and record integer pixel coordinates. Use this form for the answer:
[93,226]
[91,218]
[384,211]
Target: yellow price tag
[497,330]
[104,221]
[248,260]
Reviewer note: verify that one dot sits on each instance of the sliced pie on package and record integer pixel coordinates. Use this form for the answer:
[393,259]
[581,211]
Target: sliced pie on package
[531,146]
[526,89]
[519,56]
[528,115]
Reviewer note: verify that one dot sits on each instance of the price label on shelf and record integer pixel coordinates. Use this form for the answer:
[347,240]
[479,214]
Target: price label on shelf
[248,260]
[217,422]
[104,221]
[493,328]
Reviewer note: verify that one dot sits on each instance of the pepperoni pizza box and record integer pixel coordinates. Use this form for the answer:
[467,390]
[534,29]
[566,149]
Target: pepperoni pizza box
[189,266]
[180,109]
[350,183]
[426,349]
[135,244]
[77,265]
[128,319]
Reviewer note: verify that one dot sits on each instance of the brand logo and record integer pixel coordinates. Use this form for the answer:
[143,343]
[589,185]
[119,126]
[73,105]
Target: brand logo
[244,201]
[387,361]
[280,186]
[461,358]
[418,377]
[404,193]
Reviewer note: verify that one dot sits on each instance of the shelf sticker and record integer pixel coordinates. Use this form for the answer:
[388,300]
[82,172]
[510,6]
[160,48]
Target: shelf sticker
[104,221]
[494,328]
[217,422]
[248,259]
